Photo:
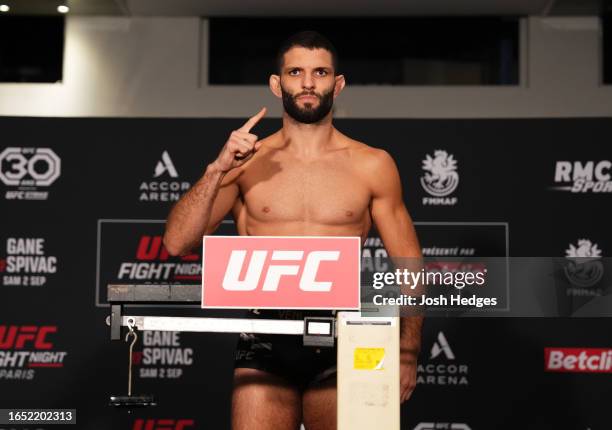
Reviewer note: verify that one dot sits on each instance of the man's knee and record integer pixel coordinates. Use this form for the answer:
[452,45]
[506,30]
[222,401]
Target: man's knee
[319,406]
[264,401]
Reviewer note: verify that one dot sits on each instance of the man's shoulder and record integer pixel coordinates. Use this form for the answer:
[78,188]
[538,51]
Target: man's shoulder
[364,152]
[374,165]
[270,142]
[375,159]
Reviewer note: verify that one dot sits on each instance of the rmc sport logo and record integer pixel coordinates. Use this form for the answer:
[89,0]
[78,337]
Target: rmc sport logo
[588,177]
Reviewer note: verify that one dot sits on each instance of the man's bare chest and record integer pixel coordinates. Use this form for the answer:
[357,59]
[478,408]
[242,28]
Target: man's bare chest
[320,192]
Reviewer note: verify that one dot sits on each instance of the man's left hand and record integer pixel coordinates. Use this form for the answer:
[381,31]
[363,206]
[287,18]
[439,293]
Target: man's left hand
[408,375]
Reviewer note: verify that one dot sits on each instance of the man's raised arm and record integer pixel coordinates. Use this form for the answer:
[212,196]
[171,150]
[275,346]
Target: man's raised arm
[203,207]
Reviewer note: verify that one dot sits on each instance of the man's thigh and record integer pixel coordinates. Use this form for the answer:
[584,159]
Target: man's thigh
[262,401]
[319,406]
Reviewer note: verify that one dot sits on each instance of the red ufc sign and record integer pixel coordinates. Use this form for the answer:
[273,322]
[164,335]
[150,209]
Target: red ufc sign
[154,424]
[578,360]
[18,337]
[151,248]
[281,272]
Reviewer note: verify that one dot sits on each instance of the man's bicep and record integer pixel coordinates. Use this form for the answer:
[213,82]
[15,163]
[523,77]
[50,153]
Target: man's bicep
[396,229]
[389,212]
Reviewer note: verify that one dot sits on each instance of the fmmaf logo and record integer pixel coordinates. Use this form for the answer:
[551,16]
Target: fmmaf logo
[440,179]
[442,367]
[584,267]
[28,169]
[163,424]
[587,177]
[160,189]
[25,348]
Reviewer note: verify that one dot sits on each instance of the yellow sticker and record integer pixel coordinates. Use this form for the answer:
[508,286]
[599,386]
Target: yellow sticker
[369,358]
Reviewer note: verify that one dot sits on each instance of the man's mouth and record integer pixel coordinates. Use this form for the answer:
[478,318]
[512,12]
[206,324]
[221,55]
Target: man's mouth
[307,97]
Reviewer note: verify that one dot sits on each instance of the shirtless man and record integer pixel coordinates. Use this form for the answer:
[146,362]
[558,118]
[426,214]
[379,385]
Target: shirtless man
[307,179]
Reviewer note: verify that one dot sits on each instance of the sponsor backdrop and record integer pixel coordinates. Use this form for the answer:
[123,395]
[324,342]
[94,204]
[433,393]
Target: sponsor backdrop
[83,204]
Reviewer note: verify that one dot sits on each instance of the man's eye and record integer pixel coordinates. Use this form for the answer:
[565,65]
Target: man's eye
[294,72]
[322,72]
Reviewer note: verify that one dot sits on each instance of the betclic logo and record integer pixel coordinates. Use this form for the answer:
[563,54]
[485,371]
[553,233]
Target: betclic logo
[578,360]
[280,272]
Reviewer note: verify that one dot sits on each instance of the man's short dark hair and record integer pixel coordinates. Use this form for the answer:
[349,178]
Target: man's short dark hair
[310,40]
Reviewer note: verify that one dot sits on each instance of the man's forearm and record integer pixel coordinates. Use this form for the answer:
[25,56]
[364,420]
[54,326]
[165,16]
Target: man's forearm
[412,321]
[410,334]
[189,219]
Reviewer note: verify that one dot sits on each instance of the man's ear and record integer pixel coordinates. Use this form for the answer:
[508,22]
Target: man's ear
[275,86]
[339,85]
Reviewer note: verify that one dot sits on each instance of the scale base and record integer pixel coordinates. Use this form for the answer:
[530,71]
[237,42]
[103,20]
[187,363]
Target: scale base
[141,401]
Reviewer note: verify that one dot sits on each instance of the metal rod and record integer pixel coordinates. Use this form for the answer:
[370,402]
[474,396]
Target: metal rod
[217,325]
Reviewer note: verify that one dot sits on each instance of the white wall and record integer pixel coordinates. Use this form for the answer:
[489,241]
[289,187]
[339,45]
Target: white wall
[156,67]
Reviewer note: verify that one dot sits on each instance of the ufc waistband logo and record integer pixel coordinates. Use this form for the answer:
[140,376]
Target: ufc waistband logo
[259,264]
[154,424]
[18,337]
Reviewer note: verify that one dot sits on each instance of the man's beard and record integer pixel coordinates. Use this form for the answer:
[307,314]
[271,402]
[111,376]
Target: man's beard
[308,114]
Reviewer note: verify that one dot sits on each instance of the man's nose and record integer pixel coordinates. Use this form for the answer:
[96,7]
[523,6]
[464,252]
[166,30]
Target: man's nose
[308,82]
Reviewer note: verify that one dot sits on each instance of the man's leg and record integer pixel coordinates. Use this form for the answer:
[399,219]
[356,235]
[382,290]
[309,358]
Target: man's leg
[319,406]
[263,401]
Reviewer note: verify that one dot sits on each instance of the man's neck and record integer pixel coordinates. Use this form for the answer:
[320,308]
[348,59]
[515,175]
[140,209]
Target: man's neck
[307,140]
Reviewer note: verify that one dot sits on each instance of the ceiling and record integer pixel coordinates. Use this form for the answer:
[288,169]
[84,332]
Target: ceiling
[307,8]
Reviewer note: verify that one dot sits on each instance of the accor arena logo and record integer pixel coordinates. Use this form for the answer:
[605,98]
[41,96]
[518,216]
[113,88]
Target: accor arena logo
[153,263]
[24,348]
